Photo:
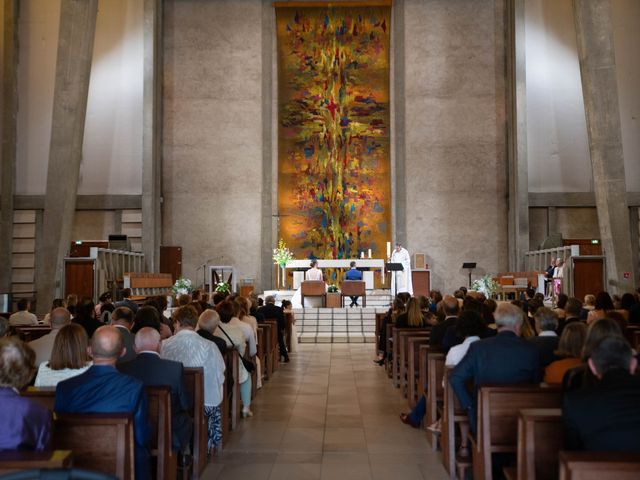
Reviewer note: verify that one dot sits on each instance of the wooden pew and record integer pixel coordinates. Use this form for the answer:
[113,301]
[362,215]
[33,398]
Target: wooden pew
[414,387]
[232,367]
[193,378]
[164,458]
[599,466]
[103,442]
[379,319]
[145,284]
[274,358]
[263,341]
[399,336]
[452,415]
[31,333]
[498,409]
[268,350]
[21,460]
[435,391]
[540,438]
[45,396]
[388,360]
[288,321]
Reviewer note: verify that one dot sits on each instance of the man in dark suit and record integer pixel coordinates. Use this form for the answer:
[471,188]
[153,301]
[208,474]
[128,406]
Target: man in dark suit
[102,389]
[122,319]
[505,358]
[353,274]
[605,417]
[451,308]
[126,301]
[207,324]
[271,310]
[572,310]
[154,371]
[546,342]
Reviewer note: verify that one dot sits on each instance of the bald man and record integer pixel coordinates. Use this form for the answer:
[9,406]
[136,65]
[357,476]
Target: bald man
[154,371]
[43,346]
[207,324]
[102,389]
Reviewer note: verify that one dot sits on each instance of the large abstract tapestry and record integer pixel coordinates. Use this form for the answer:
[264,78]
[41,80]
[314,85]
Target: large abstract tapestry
[333,130]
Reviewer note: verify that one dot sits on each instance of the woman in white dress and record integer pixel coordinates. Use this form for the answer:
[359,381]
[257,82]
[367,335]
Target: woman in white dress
[68,357]
[314,273]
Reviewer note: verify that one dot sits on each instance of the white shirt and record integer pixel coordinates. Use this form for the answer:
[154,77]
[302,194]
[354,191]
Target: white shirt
[253,323]
[50,378]
[548,333]
[457,352]
[192,350]
[239,336]
[313,274]
[23,318]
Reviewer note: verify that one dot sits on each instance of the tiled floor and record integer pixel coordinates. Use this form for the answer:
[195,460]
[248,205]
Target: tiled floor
[329,414]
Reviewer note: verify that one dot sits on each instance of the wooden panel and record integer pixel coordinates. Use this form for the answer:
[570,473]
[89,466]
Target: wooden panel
[83,249]
[78,278]
[421,282]
[19,461]
[171,261]
[599,466]
[588,276]
[540,438]
[585,245]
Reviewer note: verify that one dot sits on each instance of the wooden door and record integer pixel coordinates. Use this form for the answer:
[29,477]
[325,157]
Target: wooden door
[588,276]
[78,278]
[171,261]
[421,282]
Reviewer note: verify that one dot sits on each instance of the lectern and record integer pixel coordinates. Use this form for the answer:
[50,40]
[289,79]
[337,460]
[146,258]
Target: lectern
[469,266]
[393,268]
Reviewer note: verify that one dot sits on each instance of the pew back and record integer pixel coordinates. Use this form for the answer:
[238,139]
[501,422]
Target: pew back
[21,460]
[540,438]
[162,455]
[599,466]
[193,378]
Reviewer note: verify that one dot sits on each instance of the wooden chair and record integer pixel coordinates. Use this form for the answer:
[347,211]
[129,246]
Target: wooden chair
[193,378]
[498,409]
[414,388]
[313,288]
[162,454]
[435,391]
[23,460]
[103,442]
[540,438]
[353,288]
[599,466]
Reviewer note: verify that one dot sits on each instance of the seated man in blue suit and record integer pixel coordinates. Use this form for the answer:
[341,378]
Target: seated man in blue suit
[505,358]
[353,274]
[102,389]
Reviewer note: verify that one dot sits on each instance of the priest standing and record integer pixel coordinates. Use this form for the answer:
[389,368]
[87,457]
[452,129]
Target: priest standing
[401,280]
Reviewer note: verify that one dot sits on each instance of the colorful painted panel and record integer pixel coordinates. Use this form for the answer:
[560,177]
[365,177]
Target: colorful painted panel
[333,130]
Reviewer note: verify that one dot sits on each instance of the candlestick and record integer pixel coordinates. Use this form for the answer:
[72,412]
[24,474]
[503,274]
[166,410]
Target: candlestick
[369,253]
[388,249]
[362,254]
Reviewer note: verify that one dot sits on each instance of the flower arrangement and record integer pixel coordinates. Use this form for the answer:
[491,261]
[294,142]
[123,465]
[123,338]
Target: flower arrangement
[333,288]
[485,285]
[222,287]
[182,286]
[282,254]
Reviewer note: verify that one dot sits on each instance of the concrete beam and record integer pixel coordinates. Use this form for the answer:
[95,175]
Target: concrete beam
[73,69]
[152,135]
[594,32]
[518,171]
[83,202]
[8,135]
[574,199]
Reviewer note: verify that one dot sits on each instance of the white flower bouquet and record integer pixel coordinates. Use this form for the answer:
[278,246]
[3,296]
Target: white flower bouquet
[182,286]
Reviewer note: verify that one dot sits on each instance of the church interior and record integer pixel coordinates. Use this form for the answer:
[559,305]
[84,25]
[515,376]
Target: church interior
[496,142]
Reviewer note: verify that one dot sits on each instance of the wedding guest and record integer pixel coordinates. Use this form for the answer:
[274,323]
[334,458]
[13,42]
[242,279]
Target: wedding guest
[68,357]
[603,304]
[569,352]
[314,273]
[23,317]
[57,303]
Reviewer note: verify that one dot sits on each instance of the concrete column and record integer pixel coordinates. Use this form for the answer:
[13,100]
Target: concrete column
[594,30]
[634,222]
[517,136]
[73,69]
[398,143]
[152,136]
[8,134]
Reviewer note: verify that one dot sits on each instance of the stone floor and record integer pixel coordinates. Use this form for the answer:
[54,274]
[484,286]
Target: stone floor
[329,414]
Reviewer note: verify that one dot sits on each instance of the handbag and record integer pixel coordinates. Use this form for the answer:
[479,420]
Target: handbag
[248,364]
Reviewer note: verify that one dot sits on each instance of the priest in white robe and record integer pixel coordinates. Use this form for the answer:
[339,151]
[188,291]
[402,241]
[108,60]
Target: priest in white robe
[401,280]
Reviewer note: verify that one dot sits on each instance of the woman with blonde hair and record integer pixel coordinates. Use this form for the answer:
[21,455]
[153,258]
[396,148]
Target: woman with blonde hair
[413,317]
[68,357]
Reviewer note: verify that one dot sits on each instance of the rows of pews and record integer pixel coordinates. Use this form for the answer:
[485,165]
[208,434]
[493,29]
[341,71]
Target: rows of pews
[105,442]
[523,421]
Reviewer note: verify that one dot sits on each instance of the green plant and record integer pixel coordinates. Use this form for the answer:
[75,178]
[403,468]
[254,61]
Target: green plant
[333,288]
[282,254]
[485,285]
[223,287]
[182,286]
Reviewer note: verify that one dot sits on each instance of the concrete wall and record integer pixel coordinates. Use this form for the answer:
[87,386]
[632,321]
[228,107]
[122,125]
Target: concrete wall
[112,151]
[212,133]
[558,150]
[455,136]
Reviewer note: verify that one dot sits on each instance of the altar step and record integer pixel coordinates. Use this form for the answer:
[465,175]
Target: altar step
[377,298]
[337,325]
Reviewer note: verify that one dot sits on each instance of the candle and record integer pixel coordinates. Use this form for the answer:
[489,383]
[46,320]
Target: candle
[362,254]
[388,249]
[369,253]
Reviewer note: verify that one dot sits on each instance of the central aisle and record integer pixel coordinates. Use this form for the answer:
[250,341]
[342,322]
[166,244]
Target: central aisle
[329,414]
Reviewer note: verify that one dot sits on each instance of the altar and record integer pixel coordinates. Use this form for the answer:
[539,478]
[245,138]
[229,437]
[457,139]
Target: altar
[367,276]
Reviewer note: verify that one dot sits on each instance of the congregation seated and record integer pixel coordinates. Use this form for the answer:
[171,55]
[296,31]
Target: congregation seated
[86,316]
[627,301]
[397,308]
[190,349]
[23,317]
[126,301]
[207,324]
[413,316]
[242,306]
[270,311]
[102,389]
[159,302]
[568,353]
[57,303]
[605,415]
[546,322]
[153,371]
[103,300]
[239,336]
[148,316]
[476,304]
[581,376]
[43,346]
[572,310]
[505,358]
[451,308]
[602,305]
[26,425]
[72,303]
[122,319]
[68,357]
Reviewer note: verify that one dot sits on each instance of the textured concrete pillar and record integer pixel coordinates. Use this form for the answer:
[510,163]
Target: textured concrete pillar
[73,69]
[517,137]
[594,30]
[398,120]
[152,136]
[8,129]
[634,222]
